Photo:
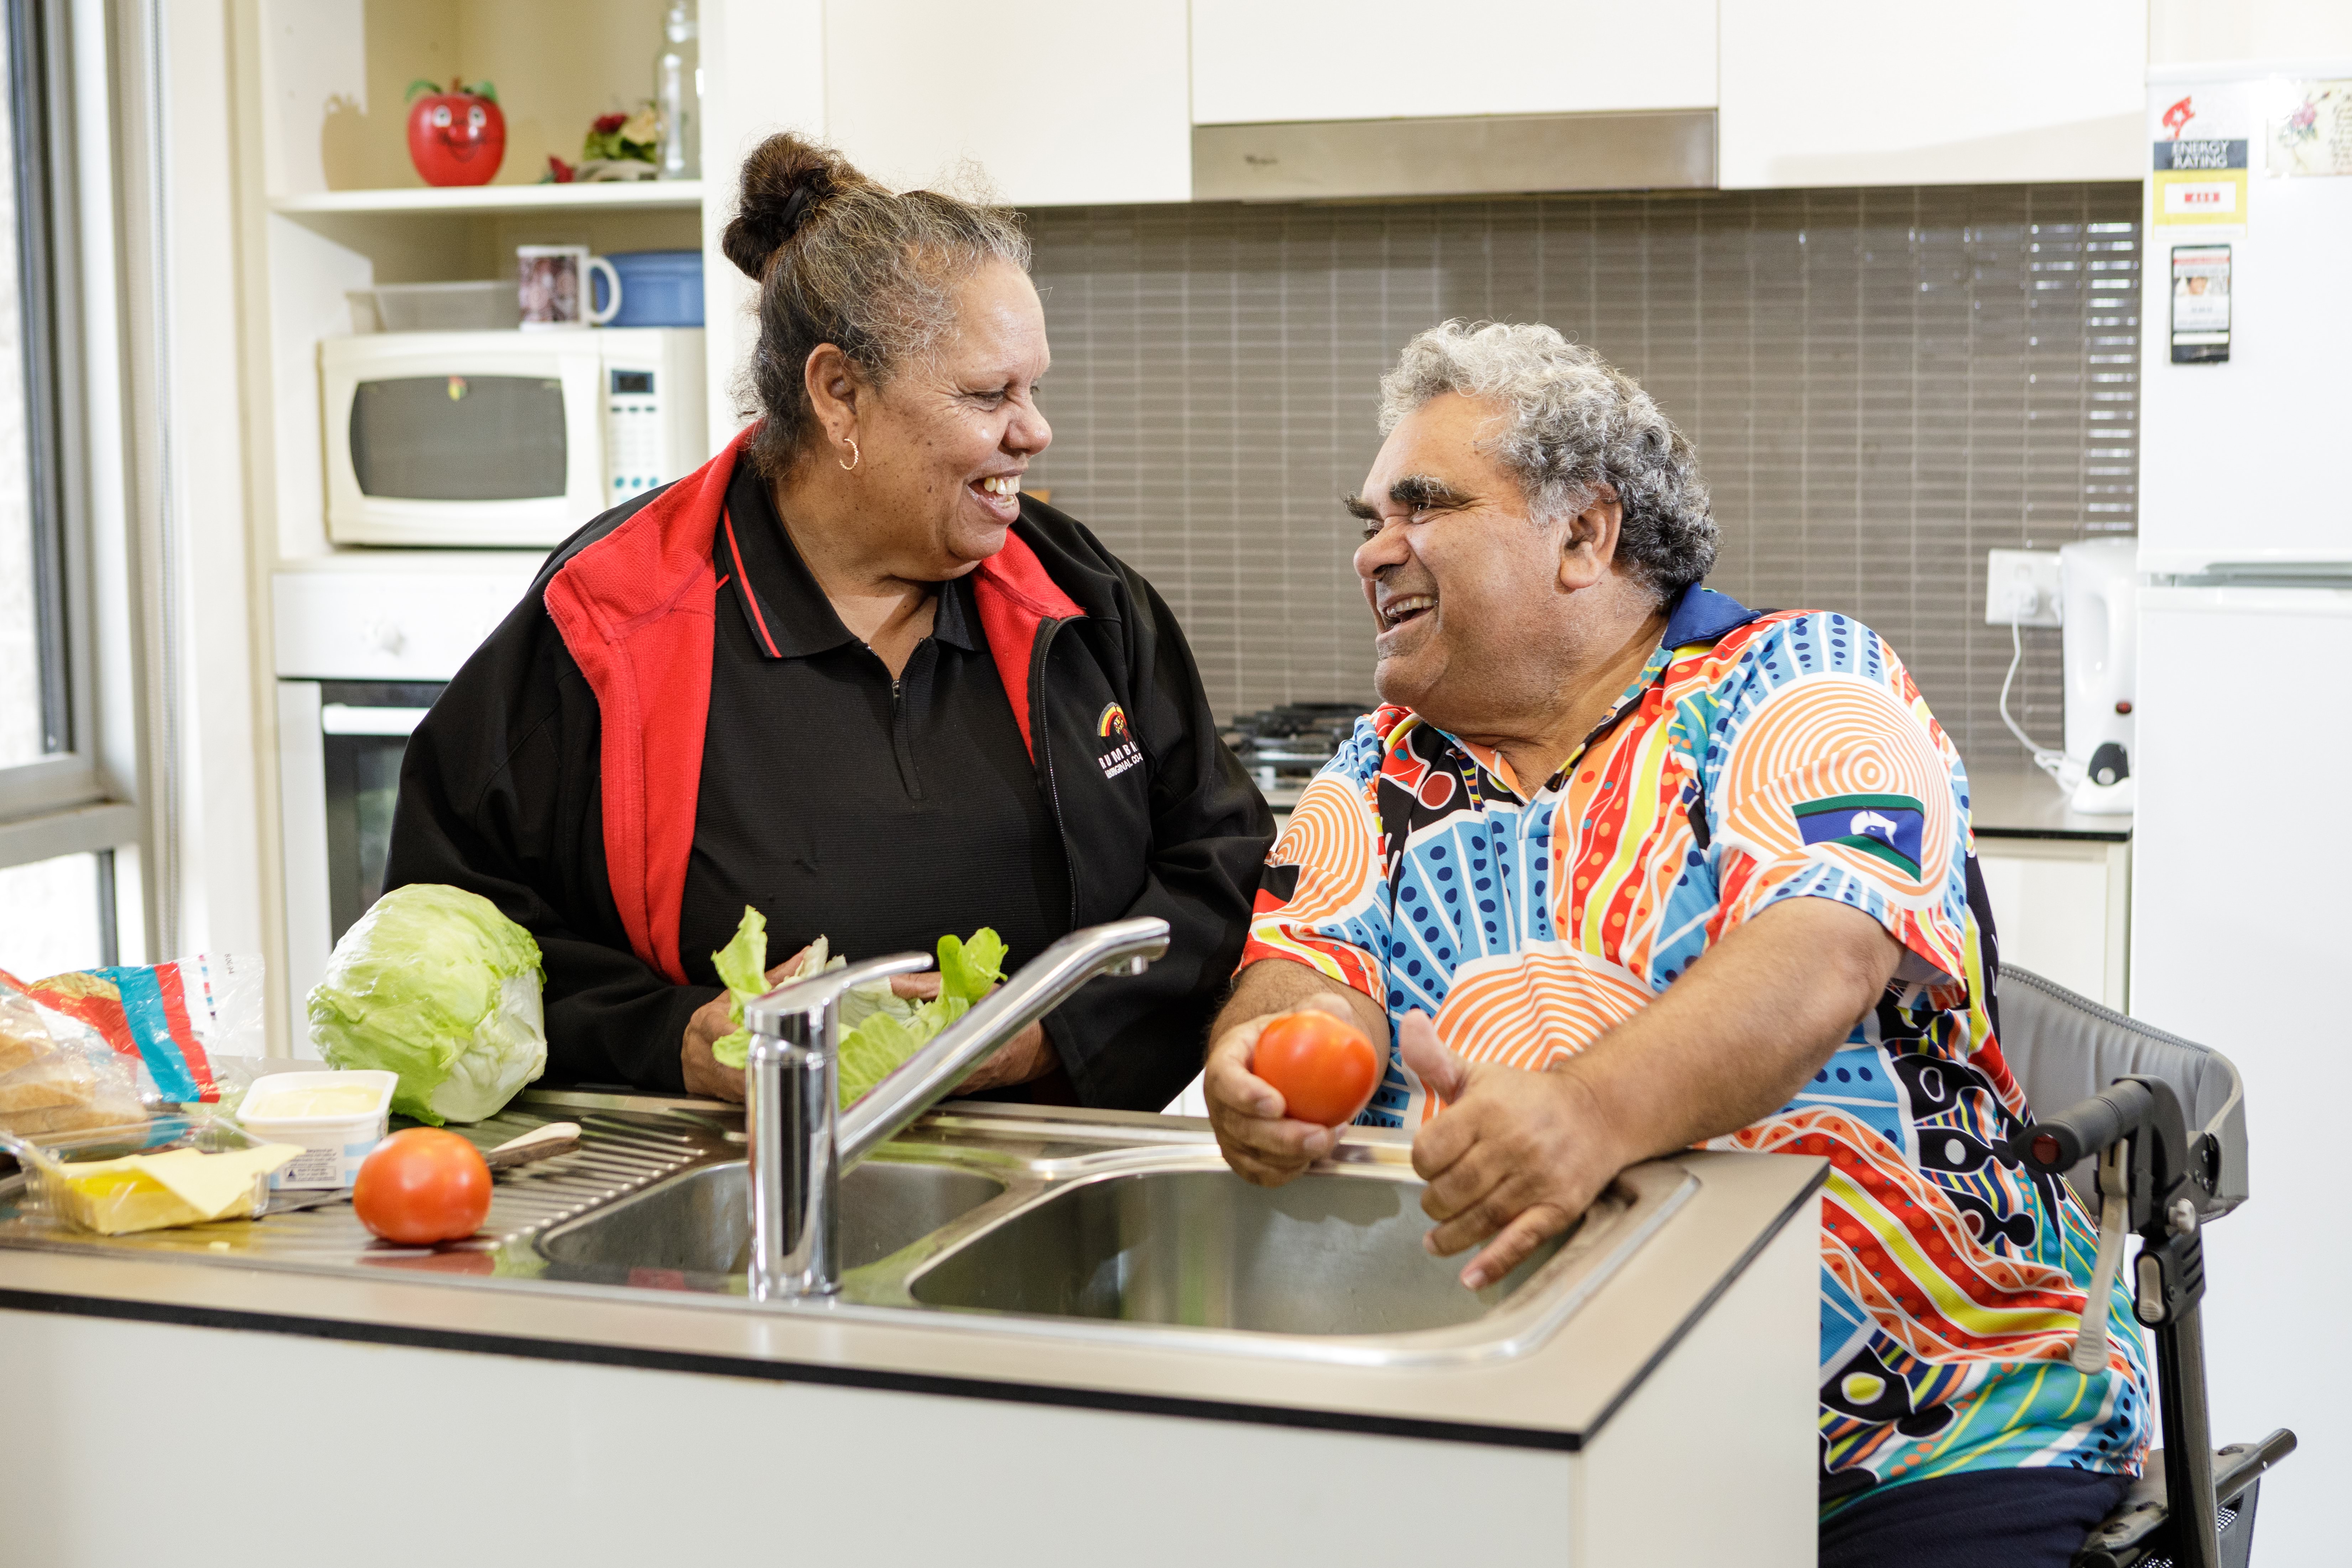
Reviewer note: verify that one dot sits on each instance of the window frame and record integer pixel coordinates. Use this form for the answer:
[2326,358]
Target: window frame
[73,801]
[68,775]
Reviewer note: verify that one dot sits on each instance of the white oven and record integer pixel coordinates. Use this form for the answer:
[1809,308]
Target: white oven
[363,649]
[503,439]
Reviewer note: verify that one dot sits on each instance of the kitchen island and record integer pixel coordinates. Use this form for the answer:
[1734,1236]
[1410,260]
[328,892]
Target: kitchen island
[1062,1333]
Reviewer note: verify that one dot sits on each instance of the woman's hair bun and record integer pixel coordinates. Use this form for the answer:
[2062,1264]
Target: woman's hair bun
[784,179]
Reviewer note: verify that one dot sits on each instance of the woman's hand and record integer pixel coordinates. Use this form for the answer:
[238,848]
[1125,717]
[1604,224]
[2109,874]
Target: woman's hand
[706,1075]
[1026,1057]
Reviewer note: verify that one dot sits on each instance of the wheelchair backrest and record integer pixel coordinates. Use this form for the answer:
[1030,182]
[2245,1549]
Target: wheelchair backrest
[2064,1048]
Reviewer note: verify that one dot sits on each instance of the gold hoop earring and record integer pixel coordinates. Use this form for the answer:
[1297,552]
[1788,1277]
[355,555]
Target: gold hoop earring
[856,457]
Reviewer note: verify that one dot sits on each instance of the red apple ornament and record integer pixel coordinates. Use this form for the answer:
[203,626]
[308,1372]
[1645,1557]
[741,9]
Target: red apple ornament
[458,137]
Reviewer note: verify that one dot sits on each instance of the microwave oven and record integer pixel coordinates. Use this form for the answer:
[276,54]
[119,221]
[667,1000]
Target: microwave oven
[503,439]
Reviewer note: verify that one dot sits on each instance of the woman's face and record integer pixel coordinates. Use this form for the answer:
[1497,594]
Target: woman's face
[945,442]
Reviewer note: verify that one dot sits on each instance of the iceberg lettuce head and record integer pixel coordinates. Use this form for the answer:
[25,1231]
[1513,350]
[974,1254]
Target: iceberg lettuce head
[436,985]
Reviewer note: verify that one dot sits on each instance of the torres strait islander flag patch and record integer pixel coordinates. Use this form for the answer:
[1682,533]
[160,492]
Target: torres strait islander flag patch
[1885,825]
[1116,750]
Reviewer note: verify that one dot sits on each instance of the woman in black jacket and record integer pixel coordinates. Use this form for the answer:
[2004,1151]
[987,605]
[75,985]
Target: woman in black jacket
[846,673]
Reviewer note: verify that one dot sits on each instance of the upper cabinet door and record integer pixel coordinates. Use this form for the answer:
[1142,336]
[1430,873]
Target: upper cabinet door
[1860,92]
[1259,60]
[1058,102]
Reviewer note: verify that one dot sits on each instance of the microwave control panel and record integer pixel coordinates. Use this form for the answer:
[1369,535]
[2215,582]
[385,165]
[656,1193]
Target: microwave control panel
[652,395]
[636,444]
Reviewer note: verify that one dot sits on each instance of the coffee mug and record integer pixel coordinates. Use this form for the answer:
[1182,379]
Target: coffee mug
[551,283]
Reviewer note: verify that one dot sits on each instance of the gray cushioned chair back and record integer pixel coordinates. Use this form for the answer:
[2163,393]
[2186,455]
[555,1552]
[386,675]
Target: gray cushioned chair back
[2064,1048]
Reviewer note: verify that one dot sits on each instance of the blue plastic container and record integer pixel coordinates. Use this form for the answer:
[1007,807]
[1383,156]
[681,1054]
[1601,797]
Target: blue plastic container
[658,289]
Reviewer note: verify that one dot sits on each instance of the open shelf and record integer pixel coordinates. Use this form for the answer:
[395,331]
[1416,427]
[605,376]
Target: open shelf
[644,195]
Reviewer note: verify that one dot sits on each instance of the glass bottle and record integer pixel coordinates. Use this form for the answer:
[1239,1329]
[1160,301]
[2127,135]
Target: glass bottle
[678,95]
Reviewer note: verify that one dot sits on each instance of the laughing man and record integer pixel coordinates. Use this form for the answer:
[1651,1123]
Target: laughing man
[1620,866]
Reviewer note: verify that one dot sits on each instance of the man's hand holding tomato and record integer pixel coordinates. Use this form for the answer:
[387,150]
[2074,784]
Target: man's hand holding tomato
[1503,1161]
[1517,1156]
[1261,1140]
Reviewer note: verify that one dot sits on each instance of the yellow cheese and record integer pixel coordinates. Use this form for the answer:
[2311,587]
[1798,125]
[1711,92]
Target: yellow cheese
[151,1191]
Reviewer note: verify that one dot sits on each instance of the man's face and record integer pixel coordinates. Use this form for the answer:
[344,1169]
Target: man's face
[1465,589]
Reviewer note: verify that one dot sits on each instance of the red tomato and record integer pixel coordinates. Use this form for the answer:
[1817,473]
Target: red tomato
[1325,1068]
[456,138]
[422,1185]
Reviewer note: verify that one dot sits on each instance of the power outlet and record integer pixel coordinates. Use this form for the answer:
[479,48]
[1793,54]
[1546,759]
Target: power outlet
[2021,588]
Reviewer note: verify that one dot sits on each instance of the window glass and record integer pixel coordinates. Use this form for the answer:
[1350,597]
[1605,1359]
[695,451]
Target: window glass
[49,917]
[25,736]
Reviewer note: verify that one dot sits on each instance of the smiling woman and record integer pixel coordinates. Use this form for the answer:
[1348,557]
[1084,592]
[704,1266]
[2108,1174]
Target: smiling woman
[849,675]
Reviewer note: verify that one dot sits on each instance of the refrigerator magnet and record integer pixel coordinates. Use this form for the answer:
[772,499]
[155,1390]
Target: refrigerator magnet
[2201,304]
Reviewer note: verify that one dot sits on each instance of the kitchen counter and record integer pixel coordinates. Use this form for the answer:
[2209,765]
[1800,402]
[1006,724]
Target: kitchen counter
[1728,1274]
[2029,805]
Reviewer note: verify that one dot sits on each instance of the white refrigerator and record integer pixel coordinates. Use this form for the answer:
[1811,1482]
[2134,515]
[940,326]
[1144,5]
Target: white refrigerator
[2243,849]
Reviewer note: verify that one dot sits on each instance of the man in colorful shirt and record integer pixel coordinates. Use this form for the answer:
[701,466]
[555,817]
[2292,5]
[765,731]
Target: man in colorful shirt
[1623,866]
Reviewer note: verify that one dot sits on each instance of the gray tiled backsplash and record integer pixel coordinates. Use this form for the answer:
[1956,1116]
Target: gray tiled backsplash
[1881,384]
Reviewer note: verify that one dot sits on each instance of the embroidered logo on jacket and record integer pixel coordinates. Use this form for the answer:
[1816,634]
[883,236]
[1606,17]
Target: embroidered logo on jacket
[1118,752]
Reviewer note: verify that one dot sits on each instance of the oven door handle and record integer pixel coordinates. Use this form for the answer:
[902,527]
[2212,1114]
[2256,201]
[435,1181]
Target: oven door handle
[344,718]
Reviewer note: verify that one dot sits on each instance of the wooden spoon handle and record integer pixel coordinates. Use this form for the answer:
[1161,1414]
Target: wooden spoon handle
[539,1144]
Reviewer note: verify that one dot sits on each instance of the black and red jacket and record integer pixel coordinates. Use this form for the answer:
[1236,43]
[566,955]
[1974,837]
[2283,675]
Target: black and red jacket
[559,773]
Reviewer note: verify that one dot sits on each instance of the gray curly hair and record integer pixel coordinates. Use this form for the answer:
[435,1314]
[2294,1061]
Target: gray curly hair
[1574,422]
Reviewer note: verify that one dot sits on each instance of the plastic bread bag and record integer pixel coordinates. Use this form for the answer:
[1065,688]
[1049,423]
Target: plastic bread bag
[56,1073]
[180,1023]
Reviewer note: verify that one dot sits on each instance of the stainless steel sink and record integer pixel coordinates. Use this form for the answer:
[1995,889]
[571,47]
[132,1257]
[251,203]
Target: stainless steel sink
[699,1222]
[1035,1221]
[1339,1254]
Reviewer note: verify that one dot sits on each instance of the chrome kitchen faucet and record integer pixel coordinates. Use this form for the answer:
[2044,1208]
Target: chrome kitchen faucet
[800,1143]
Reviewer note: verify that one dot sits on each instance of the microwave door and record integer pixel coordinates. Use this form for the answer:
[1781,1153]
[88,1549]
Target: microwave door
[461,439]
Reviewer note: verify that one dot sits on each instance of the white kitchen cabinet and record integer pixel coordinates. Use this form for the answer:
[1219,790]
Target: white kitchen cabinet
[1843,93]
[1058,102]
[1259,60]
[2061,907]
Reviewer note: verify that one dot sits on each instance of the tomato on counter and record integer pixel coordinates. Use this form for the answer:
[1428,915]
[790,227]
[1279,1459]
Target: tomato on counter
[1324,1067]
[422,1185]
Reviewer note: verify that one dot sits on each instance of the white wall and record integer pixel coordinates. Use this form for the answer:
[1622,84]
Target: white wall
[220,849]
[763,71]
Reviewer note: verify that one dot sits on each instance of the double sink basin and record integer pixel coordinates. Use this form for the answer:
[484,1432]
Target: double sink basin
[1028,1221]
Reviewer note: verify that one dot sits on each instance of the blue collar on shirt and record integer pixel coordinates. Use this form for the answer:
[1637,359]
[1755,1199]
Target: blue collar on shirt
[1700,615]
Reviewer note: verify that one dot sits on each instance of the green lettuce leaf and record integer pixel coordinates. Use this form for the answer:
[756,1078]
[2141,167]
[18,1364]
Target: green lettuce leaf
[968,969]
[742,966]
[436,985]
[896,1029]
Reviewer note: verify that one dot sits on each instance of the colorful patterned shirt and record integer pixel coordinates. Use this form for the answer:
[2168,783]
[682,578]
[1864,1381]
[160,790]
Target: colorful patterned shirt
[1755,759]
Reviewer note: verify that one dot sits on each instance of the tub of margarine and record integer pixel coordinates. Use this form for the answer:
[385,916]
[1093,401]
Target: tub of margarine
[335,1117]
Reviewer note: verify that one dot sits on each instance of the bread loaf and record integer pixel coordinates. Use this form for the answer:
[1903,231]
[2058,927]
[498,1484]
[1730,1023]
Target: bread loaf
[50,1085]
[22,1038]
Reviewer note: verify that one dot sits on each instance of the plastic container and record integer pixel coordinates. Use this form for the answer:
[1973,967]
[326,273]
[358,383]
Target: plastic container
[334,1141]
[488,306]
[658,289]
[51,1160]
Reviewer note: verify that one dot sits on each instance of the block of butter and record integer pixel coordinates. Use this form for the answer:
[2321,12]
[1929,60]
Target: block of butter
[151,1192]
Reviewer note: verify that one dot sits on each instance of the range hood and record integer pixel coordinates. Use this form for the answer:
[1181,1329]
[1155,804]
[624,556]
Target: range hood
[1344,160]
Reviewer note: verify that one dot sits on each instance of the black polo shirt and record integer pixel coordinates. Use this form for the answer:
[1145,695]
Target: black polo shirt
[837,802]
